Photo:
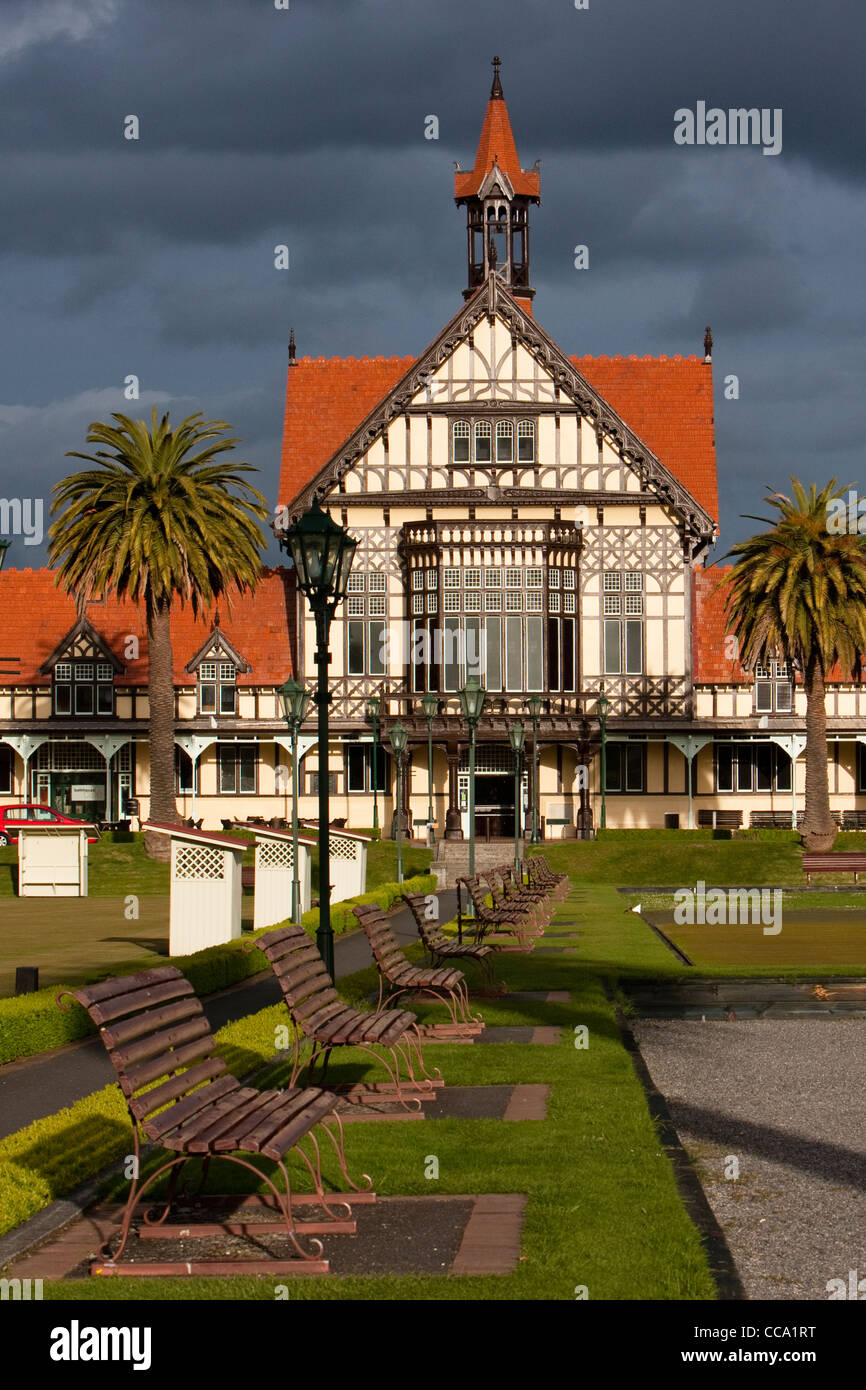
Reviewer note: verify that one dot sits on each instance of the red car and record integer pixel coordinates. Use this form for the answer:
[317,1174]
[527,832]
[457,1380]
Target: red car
[11,817]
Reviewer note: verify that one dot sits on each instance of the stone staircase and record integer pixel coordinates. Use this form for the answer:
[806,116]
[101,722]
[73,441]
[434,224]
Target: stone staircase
[451,860]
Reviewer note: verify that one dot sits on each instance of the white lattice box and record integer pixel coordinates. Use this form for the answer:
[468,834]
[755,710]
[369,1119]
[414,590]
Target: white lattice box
[206,888]
[275,876]
[348,865]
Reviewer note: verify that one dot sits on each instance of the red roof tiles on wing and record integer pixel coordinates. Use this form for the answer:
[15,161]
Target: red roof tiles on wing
[711,663]
[35,616]
[668,403]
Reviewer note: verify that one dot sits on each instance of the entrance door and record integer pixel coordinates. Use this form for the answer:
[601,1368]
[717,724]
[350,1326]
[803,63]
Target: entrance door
[81,795]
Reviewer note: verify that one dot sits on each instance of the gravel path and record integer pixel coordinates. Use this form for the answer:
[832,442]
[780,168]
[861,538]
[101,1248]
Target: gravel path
[786,1098]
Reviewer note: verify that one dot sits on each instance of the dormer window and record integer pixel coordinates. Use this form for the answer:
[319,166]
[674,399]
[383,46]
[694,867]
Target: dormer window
[774,689]
[217,687]
[83,688]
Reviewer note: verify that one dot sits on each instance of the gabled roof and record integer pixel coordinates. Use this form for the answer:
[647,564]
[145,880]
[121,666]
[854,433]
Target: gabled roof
[496,146]
[35,615]
[82,633]
[658,410]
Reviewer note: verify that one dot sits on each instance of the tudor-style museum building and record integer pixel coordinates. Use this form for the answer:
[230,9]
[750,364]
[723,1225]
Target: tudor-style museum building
[537,520]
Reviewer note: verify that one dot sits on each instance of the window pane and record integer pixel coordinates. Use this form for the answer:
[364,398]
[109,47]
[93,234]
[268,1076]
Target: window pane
[356,768]
[461,441]
[612,660]
[633,647]
[526,441]
[513,653]
[248,769]
[84,699]
[634,767]
[783,770]
[474,654]
[356,649]
[381,769]
[63,699]
[534,649]
[104,699]
[784,697]
[568,654]
[613,767]
[483,442]
[763,767]
[227,769]
[377,649]
[504,442]
[451,653]
[744,767]
[763,697]
[207,697]
[493,630]
[6,770]
[725,767]
[553,654]
[227,699]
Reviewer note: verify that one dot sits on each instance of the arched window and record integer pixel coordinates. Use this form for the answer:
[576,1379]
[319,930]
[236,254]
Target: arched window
[483,442]
[504,442]
[460,441]
[526,442]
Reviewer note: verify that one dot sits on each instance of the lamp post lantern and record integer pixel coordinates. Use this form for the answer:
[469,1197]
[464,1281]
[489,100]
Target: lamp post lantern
[373,715]
[602,704]
[534,706]
[295,700]
[399,739]
[472,698]
[323,554]
[516,736]
[430,705]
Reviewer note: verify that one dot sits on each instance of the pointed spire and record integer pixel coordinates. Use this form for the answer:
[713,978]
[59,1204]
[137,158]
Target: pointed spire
[496,146]
[496,89]
[292,362]
[708,345]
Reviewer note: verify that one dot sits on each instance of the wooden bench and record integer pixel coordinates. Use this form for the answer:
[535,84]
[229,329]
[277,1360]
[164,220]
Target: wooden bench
[444,983]
[441,947]
[321,1016]
[854,820]
[155,1030]
[770,820]
[497,923]
[718,820]
[841,862]
[535,902]
[542,876]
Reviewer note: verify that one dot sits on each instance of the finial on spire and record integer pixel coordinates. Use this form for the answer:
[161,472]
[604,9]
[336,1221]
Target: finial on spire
[496,89]
[292,362]
[708,345]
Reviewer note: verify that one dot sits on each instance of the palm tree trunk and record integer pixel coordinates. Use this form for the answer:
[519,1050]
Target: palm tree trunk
[819,828]
[163,806]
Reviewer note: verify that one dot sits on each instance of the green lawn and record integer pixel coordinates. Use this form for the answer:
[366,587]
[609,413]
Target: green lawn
[603,1208]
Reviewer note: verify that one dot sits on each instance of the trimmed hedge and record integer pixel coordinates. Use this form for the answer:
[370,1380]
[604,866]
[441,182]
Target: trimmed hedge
[31,1023]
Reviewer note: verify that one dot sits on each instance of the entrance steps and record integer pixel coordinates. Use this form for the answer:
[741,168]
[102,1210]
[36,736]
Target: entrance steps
[452,859]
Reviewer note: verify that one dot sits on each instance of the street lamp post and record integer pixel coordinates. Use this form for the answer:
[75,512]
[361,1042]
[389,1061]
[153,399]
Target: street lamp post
[534,707]
[295,700]
[399,739]
[430,705]
[373,716]
[602,704]
[472,698]
[323,554]
[516,735]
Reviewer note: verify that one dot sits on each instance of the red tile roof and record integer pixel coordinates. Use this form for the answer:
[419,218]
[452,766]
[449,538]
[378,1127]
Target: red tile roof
[497,145]
[711,665]
[667,401]
[35,616]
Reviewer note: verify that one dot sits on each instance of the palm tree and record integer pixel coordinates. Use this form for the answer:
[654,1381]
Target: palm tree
[798,593]
[157,521]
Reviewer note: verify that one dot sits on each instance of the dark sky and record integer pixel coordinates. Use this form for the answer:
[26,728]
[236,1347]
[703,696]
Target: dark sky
[305,126]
